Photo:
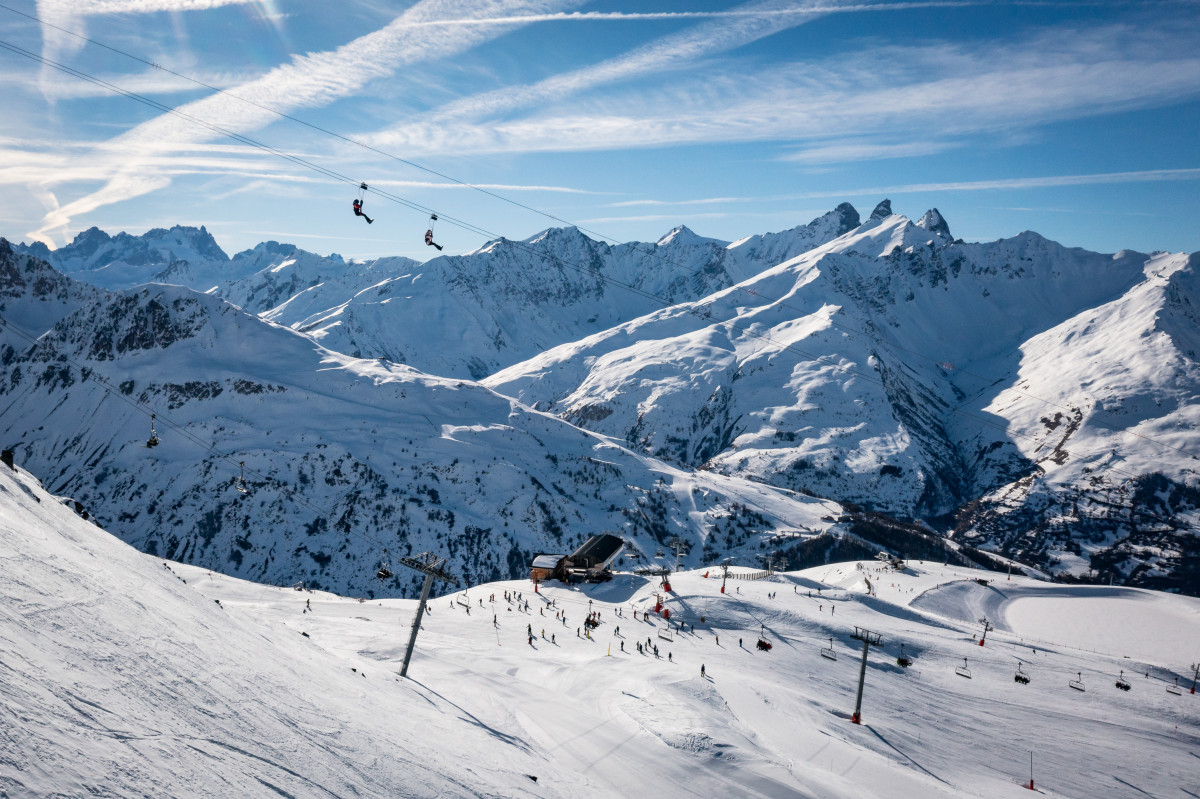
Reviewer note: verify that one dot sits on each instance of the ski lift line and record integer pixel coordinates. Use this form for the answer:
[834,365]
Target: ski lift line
[457,181]
[482,231]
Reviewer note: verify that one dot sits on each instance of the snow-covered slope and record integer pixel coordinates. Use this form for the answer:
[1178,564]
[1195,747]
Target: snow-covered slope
[343,457]
[129,676]
[120,680]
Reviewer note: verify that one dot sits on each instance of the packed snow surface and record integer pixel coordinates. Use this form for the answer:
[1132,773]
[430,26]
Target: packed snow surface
[124,675]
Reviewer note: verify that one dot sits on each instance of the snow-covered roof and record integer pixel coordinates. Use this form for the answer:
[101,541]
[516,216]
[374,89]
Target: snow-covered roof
[547,561]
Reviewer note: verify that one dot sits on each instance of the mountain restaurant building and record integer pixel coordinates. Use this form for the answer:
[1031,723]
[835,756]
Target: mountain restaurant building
[548,567]
[591,562]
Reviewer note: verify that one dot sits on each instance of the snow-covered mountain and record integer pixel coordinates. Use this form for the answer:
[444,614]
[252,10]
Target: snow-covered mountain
[896,369]
[486,310]
[1017,396]
[129,676]
[341,458]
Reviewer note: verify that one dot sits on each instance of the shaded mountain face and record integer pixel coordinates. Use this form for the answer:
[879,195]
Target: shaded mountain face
[1018,397]
[343,461]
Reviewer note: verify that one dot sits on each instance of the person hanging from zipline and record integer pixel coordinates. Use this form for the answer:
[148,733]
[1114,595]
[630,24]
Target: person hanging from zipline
[429,233]
[358,203]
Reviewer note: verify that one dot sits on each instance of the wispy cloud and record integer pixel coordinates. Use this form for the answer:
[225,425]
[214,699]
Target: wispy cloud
[720,32]
[1049,181]
[61,16]
[847,151]
[600,220]
[1063,74]
[150,83]
[1000,184]
[308,81]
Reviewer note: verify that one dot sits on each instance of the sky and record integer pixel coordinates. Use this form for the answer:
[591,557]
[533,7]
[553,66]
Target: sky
[259,118]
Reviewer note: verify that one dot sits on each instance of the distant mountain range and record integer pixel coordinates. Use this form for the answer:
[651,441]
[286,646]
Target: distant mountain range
[826,391]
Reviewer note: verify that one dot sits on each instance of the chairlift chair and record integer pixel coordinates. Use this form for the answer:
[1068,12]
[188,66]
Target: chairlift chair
[1021,677]
[241,481]
[904,661]
[1077,683]
[764,644]
[1175,689]
[384,572]
[153,440]
[829,653]
[963,671]
[1122,683]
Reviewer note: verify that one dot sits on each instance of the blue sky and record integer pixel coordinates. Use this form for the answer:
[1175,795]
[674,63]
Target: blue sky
[1078,120]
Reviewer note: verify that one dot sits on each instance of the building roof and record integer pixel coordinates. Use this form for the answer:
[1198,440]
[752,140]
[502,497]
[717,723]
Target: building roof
[547,561]
[598,551]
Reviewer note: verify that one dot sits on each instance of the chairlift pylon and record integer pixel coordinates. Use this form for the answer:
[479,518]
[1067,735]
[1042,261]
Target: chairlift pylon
[963,671]
[1077,683]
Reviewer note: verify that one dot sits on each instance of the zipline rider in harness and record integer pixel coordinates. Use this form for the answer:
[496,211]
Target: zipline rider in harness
[358,202]
[429,233]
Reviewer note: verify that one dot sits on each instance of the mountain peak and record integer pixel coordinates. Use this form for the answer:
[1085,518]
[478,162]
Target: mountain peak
[882,211]
[848,217]
[934,222]
[680,235]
